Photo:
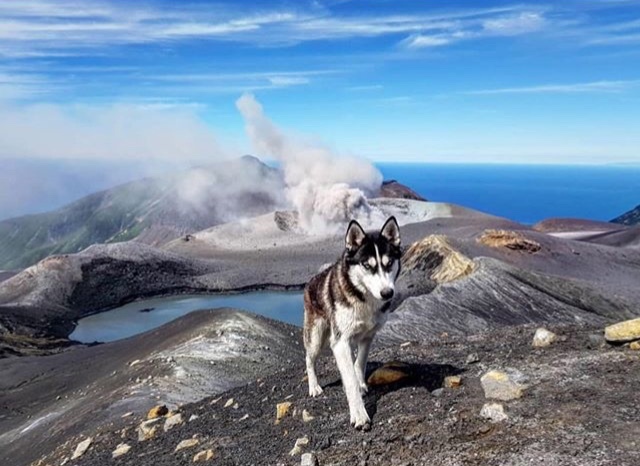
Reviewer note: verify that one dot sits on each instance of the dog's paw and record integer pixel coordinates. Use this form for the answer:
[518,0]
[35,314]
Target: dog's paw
[361,421]
[315,391]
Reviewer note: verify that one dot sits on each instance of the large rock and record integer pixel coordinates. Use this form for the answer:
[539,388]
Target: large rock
[81,448]
[621,332]
[503,385]
[543,338]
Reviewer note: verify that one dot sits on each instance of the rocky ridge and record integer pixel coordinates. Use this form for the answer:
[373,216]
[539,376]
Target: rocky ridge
[575,404]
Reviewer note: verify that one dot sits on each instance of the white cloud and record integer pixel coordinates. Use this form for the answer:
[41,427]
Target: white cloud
[596,86]
[421,41]
[121,131]
[521,23]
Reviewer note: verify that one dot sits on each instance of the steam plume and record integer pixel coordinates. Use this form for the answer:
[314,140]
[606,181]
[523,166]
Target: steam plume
[327,190]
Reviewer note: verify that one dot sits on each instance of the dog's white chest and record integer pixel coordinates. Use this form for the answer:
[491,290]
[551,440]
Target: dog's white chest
[361,320]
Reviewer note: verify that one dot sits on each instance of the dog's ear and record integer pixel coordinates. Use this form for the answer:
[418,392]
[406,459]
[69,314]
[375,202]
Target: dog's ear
[354,237]
[391,231]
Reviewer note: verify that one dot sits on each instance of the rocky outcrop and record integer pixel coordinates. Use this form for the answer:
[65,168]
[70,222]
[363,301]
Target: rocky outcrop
[393,189]
[631,217]
[49,399]
[581,403]
[152,210]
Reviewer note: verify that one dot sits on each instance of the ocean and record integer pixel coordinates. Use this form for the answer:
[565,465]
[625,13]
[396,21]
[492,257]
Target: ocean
[525,193]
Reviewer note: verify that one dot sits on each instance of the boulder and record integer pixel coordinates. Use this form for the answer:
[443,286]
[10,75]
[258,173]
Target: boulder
[121,449]
[621,332]
[173,421]
[188,443]
[494,412]
[503,385]
[204,455]
[157,411]
[148,429]
[81,448]
[543,338]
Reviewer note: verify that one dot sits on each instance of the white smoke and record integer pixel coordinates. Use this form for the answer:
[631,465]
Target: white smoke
[327,190]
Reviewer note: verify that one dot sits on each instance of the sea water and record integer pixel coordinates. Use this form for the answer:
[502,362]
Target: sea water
[525,193]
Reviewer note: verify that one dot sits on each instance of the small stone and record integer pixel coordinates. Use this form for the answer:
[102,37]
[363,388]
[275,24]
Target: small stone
[188,443]
[120,450]
[452,381]
[494,412]
[130,413]
[635,345]
[193,417]
[81,448]
[173,421]
[282,409]
[229,403]
[621,332]
[438,392]
[133,363]
[300,443]
[157,411]
[308,459]
[244,418]
[147,429]
[202,456]
[386,375]
[472,358]
[543,338]
[306,416]
[405,344]
[505,386]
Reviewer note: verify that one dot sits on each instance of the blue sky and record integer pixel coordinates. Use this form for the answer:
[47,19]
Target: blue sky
[455,81]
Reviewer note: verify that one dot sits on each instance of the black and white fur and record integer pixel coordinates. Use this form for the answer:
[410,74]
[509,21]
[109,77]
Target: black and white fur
[345,305]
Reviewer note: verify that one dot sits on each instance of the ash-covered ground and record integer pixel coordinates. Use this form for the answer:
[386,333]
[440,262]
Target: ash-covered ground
[580,407]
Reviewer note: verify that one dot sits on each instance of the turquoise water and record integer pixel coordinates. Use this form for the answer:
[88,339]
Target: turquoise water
[526,193]
[140,316]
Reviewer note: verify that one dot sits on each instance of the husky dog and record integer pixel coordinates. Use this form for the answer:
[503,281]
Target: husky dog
[346,305]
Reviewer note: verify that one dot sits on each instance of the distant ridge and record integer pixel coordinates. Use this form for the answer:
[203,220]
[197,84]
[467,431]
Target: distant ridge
[629,218]
[151,210]
[154,211]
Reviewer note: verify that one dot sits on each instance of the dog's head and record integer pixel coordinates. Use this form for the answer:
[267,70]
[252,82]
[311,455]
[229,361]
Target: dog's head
[374,258]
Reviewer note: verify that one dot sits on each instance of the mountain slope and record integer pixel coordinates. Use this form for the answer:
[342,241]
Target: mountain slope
[629,218]
[152,210]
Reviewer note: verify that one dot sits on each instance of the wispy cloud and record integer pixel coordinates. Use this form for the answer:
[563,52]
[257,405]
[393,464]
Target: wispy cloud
[478,27]
[34,28]
[590,87]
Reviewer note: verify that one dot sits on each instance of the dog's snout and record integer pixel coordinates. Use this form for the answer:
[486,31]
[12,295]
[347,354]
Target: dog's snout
[387,293]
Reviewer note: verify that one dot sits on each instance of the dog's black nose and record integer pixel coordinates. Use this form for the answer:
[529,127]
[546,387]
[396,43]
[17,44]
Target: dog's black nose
[387,294]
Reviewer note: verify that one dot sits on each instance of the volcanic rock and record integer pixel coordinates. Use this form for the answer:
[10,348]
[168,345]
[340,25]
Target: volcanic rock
[513,240]
[299,445]
[148,429]
[121,449]
[282,409]
[173,421]
[628,330]
[204,455]
[452,381]
[308,459]
[386,376]
[494,412]
[543,338]
[187,443]
[503,385]
[157,411]
[81,448]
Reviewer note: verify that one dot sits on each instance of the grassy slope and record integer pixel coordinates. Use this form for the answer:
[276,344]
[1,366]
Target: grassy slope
[108,216]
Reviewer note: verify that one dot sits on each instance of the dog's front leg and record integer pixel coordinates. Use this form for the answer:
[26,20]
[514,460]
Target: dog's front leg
[344,358]
[361,363]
